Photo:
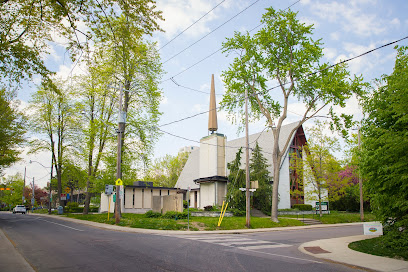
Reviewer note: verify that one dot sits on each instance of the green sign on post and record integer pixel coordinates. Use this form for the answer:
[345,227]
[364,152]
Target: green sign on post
[114,198]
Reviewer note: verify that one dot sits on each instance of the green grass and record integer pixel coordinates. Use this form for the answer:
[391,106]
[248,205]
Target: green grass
[376,246]
[335,217]
[196,223]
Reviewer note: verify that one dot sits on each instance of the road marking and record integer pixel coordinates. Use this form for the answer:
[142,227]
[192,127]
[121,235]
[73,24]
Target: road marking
[60,225]
[265,246]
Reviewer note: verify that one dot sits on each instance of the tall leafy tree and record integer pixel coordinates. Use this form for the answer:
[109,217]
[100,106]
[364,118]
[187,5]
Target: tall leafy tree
[26,28]
[283,53]
[384,161]
[165,171]
[135,65]
[97,105]
[14,195]
[259,171]
[53,118]
[12,130]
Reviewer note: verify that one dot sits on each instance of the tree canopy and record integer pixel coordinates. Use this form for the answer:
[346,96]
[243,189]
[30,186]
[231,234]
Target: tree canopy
[12,130]
[384,161]
[283,54]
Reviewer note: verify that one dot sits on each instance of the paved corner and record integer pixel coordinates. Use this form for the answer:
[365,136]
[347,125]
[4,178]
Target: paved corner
[337,250]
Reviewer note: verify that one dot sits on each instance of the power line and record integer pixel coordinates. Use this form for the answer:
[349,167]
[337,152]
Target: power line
[191,25]
[211,32]
[215,52]
[191,89]
[295,79]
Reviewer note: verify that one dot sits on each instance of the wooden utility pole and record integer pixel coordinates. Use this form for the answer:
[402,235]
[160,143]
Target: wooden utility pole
[50,191]
[25,173]
[121,130]
[360,182]
[247,193]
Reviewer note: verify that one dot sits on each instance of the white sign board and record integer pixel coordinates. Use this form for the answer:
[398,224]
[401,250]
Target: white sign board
[373,228]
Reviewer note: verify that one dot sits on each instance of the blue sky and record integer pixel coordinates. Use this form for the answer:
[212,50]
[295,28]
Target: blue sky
[347,28]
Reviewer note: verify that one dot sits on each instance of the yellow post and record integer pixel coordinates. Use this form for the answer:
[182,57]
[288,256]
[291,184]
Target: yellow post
[108,206]
[222,214]
[219,219]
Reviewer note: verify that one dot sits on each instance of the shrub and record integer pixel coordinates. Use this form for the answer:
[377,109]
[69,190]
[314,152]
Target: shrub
[208,208]
[303,207]
[174,215]
[152,214]
[185,204]
[237,212]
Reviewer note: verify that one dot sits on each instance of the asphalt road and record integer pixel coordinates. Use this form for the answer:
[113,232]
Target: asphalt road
[50,244]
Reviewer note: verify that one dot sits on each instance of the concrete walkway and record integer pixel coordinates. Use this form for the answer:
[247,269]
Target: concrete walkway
[10,259]
[335,250]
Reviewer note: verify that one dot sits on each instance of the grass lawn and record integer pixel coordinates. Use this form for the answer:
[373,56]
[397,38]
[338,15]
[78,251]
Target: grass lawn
[376,246]
[196,223]
[336,217]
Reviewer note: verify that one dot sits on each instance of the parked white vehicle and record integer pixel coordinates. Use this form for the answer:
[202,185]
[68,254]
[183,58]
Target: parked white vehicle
[19,209]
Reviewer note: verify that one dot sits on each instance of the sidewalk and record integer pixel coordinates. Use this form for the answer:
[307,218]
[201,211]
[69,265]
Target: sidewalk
[337,250]
[10,259]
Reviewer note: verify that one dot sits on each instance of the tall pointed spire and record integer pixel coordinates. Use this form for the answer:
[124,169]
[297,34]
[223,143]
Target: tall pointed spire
[212,119]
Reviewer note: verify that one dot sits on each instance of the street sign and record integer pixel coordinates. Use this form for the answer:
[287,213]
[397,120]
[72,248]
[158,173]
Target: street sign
[63,197]
[114,198]
[32,201]
[119,182]
[108,189]
[373,228]
[68,196]
[67,190]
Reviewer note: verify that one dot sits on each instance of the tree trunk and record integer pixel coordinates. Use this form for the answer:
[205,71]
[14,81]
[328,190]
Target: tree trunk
[275,193]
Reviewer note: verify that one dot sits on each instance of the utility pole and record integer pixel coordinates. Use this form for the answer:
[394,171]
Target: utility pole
[50,193]
[121,129]
[32,199]
[360,181]
[247,195]
[25,173]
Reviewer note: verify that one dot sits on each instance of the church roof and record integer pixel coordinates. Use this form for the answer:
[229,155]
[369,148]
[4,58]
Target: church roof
[265,141]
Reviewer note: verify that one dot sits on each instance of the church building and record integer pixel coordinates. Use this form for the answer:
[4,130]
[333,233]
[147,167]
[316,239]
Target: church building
[205,172]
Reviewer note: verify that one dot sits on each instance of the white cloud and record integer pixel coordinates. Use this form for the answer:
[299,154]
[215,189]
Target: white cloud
[353,19]
[395,22]
[335,36]
[164,100]
[308,21]
[330,53]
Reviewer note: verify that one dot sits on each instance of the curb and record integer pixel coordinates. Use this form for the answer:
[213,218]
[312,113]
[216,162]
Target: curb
[183,232]
[337,250]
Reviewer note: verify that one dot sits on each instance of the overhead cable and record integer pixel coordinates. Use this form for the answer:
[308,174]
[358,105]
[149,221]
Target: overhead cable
[191,25]
[294,80]
[210,32]
[215,52]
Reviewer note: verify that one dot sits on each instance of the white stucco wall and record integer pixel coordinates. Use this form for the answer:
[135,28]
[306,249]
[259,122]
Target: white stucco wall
[207,194]
[212,156]
[284,184]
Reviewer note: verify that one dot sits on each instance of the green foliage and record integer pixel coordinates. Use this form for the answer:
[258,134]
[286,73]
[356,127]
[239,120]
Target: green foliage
[152,214]
[384,156]
[262,197]
[236,177]
[303,207]
[283,50]
[393,246]
[166,171]
[14,195]
[237,212]
[28,28]
[209,208]
[12,130]
[174,215]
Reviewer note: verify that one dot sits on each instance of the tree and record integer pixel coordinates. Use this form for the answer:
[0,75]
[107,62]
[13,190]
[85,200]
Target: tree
[166,171]
[26,28]
[53,117]
[14,195]
[97,106]
[283,51]
[384,160]
[12,130]
[259,171]
[236,178]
